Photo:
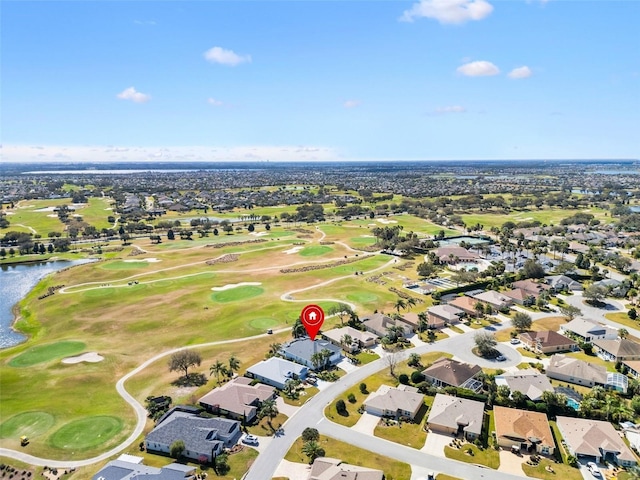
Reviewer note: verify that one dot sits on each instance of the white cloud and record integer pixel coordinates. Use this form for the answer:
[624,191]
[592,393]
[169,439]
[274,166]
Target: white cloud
[448,11]
[133,95]
[520,72]
[213,102]
[225,57]
[451,109]
[109,153]
[479,68]
[351,103]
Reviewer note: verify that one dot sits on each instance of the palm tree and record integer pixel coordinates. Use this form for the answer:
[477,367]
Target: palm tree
[634,473]
[218,369]
[268,410]
[623,332]
[346,340]
[411,302]
[298,329]
[313,450]
[317,359]
[274,348]
[400,305]
[423,321]
[234,364]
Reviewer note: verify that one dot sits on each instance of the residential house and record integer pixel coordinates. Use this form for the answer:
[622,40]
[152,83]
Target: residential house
[447,372]
[531,287]
[617,350]
[276,371]
[634,367]
[401,401]
[573,370]
[497,300]
[588,330]
[529,382]
[237,399]
[562,282]
[467,305]
[203,438]
[520,296]
[412,320]
[129,467]
[594,440]
[439,316]
[454,254]
[325,468]
[303,350]
[359,339]
[379,323]
[523,429]
[547,341]
[455,415]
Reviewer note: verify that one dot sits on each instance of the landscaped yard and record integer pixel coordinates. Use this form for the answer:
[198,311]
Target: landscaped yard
[372,383]
[546,323]
[488,456]
[623,319]
[409,434]
[263,429]
[560,470]
[393,469]
[305,395]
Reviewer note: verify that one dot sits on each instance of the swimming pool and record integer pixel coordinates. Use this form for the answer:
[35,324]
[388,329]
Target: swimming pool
[573,404]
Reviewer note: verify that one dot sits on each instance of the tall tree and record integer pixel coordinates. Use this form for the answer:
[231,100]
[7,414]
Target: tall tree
[485,342]
[218,369]
[521,321]
[341,310]
[183,360]
[298,330]
[269,410]
[313,450]
[234,364]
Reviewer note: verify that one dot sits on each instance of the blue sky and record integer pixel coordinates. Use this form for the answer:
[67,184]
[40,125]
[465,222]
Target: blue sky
[325,80]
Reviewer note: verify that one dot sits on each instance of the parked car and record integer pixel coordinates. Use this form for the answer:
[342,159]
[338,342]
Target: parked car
[501,358]
[515,341]
[250,439]
[593,469]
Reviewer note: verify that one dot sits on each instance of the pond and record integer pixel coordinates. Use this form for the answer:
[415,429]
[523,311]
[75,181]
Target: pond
[16,281]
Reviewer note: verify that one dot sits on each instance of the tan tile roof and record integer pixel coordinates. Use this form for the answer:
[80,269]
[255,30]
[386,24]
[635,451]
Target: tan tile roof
[587,437]
[394,399]
[522,424]
[619,347]
[547,338]
[451,412]
[237,396]
[325,468]
[465,303]
[451,371]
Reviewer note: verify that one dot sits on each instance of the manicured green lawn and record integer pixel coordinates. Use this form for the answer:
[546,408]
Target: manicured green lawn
[31,424]
[623,319]
[244,292]
[122,265]
[488,456]
[365,357]
[86,433]
[560,470]
[305,395]
[393,469]
[263,429]
[409,434]
[315,251]
[44,353]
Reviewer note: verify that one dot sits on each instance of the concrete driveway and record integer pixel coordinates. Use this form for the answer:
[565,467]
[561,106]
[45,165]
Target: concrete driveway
[292,470]
[284,407]
[435,443]
[366,424]
[449,332]
[511,463]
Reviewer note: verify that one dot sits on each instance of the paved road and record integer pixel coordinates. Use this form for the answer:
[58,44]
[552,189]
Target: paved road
[311,414]
[577,300]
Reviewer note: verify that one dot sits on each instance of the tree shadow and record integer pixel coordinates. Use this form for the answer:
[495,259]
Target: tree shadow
[191,380]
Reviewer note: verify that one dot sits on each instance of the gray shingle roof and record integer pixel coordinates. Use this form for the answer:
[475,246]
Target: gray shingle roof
[123,470]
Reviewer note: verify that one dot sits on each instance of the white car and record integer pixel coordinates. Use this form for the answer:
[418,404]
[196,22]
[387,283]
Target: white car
[250,439]
[515,341]
[593,469]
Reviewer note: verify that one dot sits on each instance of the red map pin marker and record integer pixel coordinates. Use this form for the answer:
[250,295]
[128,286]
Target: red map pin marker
[312,317]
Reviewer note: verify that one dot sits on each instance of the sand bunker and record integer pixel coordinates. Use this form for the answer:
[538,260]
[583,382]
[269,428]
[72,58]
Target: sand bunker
[9,213]
[293,250]
[52,215]
[91,357]
[368,236]
[148,260]
[45,209]
[385,222]
[257,234]
[234,285]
